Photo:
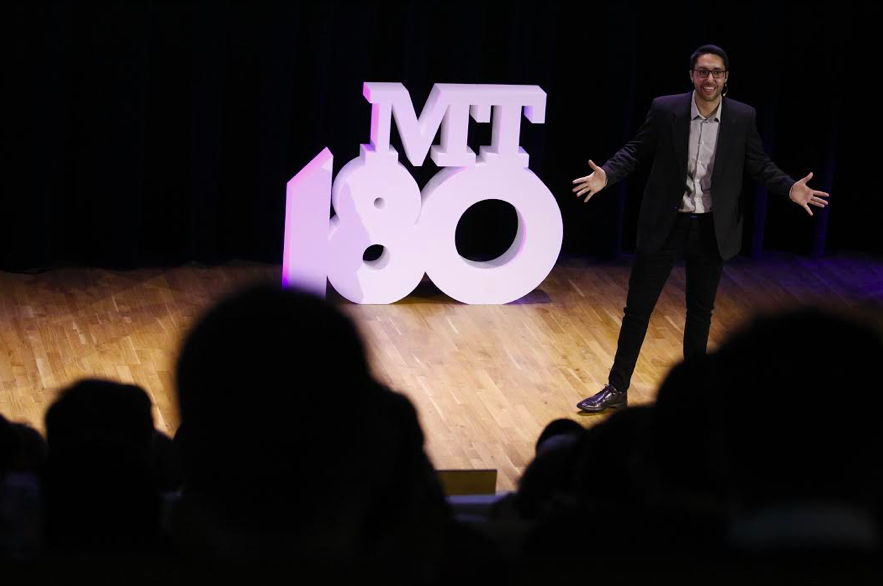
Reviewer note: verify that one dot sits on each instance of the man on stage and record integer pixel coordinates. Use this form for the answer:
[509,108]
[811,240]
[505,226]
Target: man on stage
[700,144]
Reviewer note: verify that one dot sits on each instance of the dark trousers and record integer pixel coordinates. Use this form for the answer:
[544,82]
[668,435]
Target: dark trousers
[693,237]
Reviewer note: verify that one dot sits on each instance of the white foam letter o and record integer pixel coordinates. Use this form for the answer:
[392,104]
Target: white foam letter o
[528,260]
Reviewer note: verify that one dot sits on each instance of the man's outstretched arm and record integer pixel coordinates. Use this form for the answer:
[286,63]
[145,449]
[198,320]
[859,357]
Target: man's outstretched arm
[763,170]
[638,150]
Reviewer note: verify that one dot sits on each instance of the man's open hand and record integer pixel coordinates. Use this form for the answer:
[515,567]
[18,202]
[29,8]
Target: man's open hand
[591,184]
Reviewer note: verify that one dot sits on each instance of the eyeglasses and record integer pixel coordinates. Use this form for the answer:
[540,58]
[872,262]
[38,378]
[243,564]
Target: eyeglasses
[703,73]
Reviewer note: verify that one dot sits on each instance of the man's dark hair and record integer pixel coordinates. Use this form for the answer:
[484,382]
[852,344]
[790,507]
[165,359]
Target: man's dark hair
[705,50]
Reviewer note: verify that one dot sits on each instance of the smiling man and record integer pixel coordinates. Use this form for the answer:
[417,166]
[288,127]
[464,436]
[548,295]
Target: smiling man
[700,145]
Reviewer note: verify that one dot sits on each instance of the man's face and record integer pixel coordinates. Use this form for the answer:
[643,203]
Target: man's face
[708,88]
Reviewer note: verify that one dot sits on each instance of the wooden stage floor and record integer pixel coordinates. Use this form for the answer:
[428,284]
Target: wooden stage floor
[485,379]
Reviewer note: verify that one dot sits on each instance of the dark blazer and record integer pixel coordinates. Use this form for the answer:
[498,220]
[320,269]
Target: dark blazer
[663,139]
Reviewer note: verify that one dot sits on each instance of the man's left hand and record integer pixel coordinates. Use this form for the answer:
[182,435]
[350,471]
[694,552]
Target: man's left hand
[802,195]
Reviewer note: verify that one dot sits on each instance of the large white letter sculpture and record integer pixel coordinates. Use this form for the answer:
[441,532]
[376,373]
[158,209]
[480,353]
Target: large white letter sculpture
[377,202]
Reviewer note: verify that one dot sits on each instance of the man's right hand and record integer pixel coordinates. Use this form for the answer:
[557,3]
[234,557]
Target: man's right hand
[590,184]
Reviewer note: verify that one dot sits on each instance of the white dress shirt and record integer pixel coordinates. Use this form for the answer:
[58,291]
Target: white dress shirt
[700,159]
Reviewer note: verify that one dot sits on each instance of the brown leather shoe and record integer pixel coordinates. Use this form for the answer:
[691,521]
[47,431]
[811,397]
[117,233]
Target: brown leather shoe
[608,398]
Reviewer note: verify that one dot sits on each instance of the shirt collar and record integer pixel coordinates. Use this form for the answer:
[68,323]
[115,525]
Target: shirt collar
[694,109]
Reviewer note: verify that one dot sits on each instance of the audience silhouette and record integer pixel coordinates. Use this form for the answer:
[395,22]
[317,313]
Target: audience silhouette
[102,495]
[23,454]
[290,450]
[802,456]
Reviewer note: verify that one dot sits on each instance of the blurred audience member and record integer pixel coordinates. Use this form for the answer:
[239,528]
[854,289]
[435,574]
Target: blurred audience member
[22,458]
[290,447]
[102,496]
[801,433]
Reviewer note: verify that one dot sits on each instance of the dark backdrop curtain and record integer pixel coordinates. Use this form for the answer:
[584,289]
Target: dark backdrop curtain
[160,132]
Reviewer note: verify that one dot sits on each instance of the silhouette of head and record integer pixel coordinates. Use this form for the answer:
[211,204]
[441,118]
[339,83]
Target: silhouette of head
[266,380]
[799,415]
[100,489]
[284,430]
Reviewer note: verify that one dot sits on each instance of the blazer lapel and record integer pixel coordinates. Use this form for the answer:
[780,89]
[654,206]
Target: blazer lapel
[680,132]
[724,141]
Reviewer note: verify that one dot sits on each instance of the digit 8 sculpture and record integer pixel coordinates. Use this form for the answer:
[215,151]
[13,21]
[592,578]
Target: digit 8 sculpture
[377,202]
